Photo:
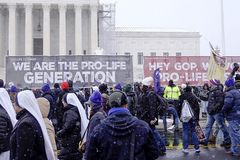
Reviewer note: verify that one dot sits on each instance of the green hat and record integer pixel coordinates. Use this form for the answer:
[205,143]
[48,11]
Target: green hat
[117,99]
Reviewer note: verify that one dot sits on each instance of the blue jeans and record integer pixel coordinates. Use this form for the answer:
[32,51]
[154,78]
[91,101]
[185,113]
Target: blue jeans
[159,140]
[172,111]
[190,126]
[234,131]
[220,121]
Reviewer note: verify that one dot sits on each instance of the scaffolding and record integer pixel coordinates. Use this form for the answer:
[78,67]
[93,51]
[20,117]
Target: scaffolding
[106,30]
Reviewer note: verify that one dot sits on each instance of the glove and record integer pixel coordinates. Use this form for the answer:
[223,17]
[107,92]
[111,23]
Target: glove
[152,122]
[236,67]
[59,134]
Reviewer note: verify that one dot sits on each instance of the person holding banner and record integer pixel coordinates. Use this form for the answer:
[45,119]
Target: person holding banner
[215,104]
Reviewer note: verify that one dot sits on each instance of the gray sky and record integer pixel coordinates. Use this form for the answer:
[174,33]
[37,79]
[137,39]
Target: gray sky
[193,15]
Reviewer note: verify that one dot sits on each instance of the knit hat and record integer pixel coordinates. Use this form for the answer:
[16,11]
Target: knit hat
[183,86]
[188,89]
[229,82]
[70,83]
[96,99]
[45,88]
[127,88]
[103,88]
[64,86]
[118,87]
[214,81]
[148,81]
[56,85]
[1,83]
[13,89]
[237,77]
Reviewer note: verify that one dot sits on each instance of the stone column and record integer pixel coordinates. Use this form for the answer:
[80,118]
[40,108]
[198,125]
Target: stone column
[94,28]
[78,29]
[28,30]
[62,29]
[46,29]
[12,30]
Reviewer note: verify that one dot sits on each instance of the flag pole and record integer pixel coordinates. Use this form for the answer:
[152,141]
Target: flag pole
[222,29]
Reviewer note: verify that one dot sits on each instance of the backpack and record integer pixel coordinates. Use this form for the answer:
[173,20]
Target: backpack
[162,104]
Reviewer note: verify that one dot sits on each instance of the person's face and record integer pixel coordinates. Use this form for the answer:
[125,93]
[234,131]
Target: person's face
[16,107]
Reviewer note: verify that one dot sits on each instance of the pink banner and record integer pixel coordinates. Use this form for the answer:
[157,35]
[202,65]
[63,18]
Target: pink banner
[192,69]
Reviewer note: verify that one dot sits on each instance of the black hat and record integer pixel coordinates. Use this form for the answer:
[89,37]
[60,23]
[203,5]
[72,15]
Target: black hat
[188,89]
[70,83]
[237,77]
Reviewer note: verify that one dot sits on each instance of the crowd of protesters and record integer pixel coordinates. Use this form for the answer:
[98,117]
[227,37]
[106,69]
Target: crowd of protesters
[67,124]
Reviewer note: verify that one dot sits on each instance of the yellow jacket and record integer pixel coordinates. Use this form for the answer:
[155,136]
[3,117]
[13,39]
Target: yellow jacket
[172,93]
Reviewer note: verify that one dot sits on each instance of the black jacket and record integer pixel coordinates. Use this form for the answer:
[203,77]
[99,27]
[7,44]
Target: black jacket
[111,139]
[193,101]
[70,134]
[147,109]
[60,110]
[5,130]
[27,142]
[215,100]
[237,84]
[71,131]
[132,103]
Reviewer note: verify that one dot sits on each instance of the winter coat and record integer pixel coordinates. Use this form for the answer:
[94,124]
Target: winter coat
[60,110]
[5,130]
[27,142]
[95,120]
[132,103]
[44,108]
[147,110]
[231,107]
[237,84]
[50,97]
[111,139]
[70,134]
[193,102]
[172,92]
[215,100]
[204,94]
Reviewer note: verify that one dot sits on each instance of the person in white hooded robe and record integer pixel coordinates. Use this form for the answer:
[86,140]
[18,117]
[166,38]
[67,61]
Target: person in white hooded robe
[29,139]
[75,123]
[7,122]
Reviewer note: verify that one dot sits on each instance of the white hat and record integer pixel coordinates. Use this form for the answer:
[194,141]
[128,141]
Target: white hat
[183,86]
[148,81]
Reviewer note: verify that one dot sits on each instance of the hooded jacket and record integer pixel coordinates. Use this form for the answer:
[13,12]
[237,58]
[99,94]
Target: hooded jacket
[132,103]
[231,107]
[50,97]
[44,106]
[5,130]
[172,92]
[70,134]
[28,135]
[215,100]
[111,139]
